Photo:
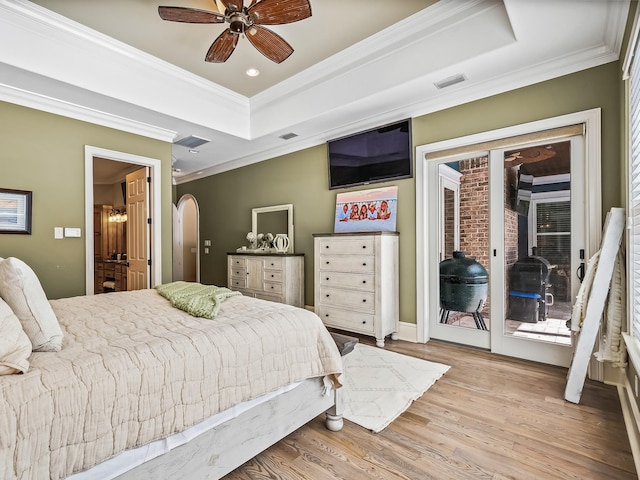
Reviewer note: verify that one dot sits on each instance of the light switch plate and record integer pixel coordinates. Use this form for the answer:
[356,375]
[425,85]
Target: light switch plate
[72,232]
[207,243]
[58,233]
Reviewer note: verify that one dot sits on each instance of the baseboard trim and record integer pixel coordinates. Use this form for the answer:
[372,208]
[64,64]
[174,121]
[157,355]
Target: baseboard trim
[408,332]
[631,417]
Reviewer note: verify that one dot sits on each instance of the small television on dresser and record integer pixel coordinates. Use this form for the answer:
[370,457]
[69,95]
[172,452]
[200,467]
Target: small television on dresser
[377,155]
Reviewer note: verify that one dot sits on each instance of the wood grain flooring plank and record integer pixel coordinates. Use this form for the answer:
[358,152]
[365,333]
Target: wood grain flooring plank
[489,417]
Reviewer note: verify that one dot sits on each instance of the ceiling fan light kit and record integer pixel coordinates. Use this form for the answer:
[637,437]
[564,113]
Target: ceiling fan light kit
[245,20]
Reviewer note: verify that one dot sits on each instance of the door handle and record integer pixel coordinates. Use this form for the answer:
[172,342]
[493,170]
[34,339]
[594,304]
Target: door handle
[580,271]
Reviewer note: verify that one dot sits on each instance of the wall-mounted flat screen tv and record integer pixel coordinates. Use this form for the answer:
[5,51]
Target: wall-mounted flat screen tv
[376,155]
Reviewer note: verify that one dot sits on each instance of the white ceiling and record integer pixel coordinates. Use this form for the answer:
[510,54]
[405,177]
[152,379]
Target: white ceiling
[356,64]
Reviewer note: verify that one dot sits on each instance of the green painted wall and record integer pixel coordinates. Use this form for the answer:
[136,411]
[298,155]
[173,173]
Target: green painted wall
[300,178]
[44,153]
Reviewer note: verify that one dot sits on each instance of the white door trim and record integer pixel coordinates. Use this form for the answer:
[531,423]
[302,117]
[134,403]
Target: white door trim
[593,214]
[156,207]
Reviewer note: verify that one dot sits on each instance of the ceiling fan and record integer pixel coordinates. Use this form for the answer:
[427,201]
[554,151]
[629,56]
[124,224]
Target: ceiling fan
[244,21]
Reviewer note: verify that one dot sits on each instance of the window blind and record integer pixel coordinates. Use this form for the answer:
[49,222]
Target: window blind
[633,207]
[553,231]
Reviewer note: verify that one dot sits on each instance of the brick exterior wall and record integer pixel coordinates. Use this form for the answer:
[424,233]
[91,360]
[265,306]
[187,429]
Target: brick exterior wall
[510,227]
[474,214]
[474,209]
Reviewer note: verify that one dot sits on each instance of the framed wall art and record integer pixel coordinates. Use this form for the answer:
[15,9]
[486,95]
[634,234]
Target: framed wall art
[371,210]
[15,211]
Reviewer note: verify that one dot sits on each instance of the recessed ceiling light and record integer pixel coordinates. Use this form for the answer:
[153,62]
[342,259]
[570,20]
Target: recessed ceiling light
[253,72]
[191,150]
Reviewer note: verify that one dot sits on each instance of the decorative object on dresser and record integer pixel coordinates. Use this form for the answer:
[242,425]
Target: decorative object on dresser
[270,276]
[372,210]
[356,282]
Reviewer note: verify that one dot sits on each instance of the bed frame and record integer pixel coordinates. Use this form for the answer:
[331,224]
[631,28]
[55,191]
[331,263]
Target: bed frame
[226,447]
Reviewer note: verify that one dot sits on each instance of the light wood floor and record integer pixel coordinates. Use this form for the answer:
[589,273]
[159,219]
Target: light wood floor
[488,417]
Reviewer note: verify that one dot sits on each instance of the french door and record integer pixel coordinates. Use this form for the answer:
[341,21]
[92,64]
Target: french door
[518,212]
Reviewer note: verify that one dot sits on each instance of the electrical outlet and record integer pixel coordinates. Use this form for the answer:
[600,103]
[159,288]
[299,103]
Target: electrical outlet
[206,250]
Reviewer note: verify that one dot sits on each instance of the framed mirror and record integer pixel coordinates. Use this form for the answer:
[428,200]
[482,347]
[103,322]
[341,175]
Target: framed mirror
[274,219]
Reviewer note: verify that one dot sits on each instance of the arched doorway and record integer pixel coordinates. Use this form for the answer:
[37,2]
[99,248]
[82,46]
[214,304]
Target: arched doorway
[186,243]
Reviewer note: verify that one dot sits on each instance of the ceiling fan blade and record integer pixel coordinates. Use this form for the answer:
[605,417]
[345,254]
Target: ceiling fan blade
[222,48]
[270,44]
[189,15]
[276,12]
[233,4]
[219,6]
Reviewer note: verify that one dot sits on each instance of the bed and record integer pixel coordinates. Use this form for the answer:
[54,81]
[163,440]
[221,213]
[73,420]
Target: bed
[139,386]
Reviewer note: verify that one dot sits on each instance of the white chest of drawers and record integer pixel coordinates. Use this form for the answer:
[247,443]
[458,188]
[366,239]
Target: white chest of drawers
[356,284]
[276,277]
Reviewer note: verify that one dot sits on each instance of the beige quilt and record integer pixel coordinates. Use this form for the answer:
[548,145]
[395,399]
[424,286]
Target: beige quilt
[133,369]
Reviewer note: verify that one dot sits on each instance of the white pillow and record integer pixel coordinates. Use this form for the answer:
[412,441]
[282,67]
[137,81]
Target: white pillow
[15,346]
[21,289]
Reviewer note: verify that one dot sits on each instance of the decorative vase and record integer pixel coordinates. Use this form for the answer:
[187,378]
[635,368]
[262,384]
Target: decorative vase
[281,243]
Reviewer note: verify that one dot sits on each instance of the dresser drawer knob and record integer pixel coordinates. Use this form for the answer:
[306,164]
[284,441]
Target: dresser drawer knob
[271,287]
[327,246]
[364,322]
[364,281]
[364,246]
[327,295]
[327,263]
[364,264]
[364,300]
[271,275]
[327,279]
[326,314]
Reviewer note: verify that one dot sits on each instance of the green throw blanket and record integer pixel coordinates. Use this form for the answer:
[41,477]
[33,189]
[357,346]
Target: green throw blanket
[194,298]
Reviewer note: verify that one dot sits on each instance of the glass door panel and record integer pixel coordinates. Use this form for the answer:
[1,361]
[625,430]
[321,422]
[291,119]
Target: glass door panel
[539,237]
[459,200]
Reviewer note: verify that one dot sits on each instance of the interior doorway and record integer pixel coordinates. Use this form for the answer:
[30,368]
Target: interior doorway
[118,163]
[186,235]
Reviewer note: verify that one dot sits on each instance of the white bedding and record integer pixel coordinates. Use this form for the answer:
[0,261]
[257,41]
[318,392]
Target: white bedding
[133,370]
[132,458]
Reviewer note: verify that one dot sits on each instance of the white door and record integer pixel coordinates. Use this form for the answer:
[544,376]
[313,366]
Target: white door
[514,212]
[138,244]
[537,247]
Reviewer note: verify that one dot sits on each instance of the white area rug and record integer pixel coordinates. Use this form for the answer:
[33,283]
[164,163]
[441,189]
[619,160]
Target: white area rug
[380,385]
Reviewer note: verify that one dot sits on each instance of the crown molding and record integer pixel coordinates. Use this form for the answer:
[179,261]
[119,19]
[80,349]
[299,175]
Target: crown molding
[79,112]
[455,96]
[393,38]
[82,59]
